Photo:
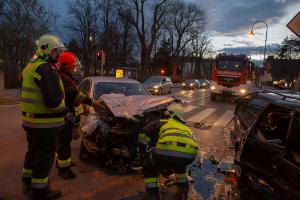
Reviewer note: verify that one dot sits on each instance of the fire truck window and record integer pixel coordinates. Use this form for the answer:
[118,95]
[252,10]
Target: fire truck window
[249,112]
[231,65]
[273,125]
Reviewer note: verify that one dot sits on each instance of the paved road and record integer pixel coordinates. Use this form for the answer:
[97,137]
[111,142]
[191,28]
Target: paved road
[96,183]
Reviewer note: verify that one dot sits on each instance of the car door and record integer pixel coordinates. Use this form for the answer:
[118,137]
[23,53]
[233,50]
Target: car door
[169,83]
[246,114]
[265,142]
[287,165]
[164,85]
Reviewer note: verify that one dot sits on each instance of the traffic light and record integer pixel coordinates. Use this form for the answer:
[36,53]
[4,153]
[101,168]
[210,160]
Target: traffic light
[98,55]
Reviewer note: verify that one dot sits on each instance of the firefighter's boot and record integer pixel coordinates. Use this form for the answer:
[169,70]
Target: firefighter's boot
[66,173]
[26,184]
[45,194]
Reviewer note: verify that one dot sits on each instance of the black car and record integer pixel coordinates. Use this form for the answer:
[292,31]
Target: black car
[267,144]
[204,83]
[190,84]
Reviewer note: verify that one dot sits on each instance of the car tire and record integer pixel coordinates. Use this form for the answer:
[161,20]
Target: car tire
[213,96]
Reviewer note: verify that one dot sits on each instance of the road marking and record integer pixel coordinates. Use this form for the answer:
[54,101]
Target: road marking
[224,119]
[202,115]
[189,108]
[189,101]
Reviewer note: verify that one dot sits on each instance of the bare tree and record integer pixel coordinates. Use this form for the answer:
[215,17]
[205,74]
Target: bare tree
[84,22]
[201,48]
[184,24]
[117,38]
[22,22]
[146,18]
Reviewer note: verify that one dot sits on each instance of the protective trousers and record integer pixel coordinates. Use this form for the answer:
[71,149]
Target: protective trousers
[155,163]
[40,154]
[64,145]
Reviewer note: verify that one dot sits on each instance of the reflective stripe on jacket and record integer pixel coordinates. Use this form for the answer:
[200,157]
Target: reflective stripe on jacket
[176,139]
[35,113]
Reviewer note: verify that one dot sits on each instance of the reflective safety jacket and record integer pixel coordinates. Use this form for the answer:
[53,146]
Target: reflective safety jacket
[74,97]
[173,138]
[35,113]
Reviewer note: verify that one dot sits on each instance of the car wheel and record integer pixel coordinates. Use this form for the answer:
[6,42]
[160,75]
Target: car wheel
[213,97]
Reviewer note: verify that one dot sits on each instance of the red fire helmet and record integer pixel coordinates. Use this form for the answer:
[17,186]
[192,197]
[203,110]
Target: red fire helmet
[68,62]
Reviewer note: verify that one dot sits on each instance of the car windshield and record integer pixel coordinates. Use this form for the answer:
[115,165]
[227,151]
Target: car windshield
[230,65]
[128,89]
[190,80]
[153,79]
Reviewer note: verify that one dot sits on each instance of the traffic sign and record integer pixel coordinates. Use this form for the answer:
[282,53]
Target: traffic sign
[294,24]
[119,73]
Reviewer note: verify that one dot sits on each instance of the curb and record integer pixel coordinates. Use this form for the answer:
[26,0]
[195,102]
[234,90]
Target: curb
[9,101]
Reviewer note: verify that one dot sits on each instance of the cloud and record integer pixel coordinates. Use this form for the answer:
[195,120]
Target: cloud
[232,17]
[252,50]
[244,42]
[228,45]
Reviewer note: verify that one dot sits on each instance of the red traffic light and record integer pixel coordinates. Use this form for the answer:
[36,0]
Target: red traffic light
[98,54]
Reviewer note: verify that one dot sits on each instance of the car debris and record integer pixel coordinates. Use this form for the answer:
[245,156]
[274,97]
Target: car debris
[113,138]
[214,160]
[198,125]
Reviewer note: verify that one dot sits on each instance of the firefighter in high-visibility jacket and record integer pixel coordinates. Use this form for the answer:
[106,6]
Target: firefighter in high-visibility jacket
[69,68]
[171,147]
[43,112]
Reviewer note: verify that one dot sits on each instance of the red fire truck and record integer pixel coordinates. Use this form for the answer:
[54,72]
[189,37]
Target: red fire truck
[232,75]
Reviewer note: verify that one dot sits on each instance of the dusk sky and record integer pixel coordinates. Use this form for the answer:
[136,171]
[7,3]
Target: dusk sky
[230,21]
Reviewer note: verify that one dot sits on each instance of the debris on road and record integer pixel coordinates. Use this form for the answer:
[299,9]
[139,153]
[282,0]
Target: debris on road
[213,160]
[198,125]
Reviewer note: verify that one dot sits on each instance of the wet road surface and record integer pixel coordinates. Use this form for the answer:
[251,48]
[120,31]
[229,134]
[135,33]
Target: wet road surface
[94,182]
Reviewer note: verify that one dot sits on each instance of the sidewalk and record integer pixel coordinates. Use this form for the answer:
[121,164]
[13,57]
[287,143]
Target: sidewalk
[11,96]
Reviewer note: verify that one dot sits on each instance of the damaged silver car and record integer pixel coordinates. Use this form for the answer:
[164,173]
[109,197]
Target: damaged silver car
[113,138]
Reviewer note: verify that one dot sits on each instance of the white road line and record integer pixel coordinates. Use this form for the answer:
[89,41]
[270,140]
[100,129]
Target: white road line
[189,101]
[202,115]
[189,108]
[224,119]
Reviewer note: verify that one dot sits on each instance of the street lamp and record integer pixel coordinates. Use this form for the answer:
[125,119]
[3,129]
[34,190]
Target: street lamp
[251,35]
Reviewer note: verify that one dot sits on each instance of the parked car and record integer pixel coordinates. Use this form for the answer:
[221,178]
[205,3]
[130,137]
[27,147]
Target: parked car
[95,87]
[204,83]
[191,84]
[159,84]
[267,144]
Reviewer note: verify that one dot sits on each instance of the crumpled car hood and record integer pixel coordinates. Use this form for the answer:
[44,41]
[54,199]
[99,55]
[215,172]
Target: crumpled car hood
[128,106]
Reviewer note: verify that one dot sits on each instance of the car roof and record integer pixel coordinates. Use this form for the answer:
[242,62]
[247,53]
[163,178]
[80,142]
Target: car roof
[284,98]
[96,79]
